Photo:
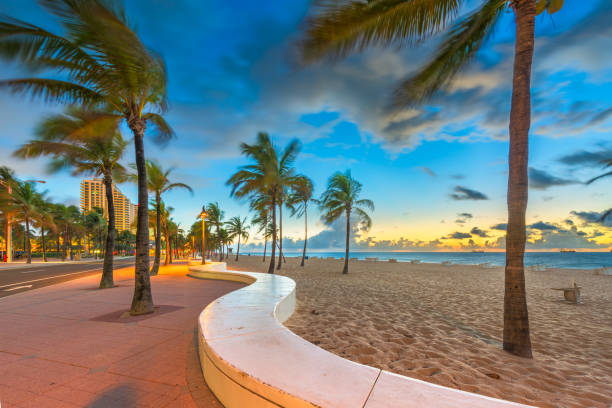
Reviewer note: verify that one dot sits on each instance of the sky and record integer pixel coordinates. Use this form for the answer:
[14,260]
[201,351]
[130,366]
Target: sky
[437,173]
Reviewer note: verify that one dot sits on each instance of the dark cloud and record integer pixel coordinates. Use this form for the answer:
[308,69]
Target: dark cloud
[541,180]
[463,193]
[458,235]
[463,217]
[569,222]
[477,231]
[587,158]
[543,226]
[593,217]
[427,171]
[564,239]
[601,116]
[500,227]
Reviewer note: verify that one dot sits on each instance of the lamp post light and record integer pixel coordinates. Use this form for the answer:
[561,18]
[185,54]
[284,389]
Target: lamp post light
[9,230]
[203,216]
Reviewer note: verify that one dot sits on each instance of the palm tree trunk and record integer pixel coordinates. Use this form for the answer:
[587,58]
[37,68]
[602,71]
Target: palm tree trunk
[220,245]
[171,247]
[280,238]
[166,238]
[42,238]
[516,321]
[273,250]
[157,259]
[238,249]
[265,247]
[348,233]
[142,301]
[27,239]
[305,232]
[107,280]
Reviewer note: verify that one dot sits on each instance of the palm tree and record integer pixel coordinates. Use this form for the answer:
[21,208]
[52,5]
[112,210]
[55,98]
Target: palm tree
[24,198]
[94,223]
[68,219]
[87,143]
[159,183]
[301,195]
[103,63]
[265,177]
[215,217]
[262,221]
[339,28]
[7,182]
[165,226]
[237,227]
[44,220]
[342,198]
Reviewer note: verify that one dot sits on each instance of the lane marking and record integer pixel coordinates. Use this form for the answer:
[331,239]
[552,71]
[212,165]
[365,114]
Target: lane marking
[35,270]
[18,287]
[40,279]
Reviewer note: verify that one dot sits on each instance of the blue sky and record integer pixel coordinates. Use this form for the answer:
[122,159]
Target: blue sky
[231,75]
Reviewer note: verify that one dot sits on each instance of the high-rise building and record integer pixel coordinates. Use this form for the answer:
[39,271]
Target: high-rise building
[93,194]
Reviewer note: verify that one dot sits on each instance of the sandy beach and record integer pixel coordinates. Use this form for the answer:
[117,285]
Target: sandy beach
[443,324]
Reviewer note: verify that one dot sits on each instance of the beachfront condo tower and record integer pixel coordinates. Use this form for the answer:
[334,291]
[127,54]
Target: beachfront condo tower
[93,194]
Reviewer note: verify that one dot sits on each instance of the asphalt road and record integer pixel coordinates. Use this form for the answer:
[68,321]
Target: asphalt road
[17,280]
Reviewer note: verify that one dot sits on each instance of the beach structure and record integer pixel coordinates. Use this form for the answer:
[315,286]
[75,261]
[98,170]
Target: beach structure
[604,271]
[571,294]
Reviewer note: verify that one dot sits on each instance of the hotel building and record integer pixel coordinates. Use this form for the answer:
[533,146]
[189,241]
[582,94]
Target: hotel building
[93,194]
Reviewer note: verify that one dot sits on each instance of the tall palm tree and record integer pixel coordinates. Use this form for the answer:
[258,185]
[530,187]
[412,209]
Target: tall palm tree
[301,194]
[159,183]
[165,227]
[266,176]
[215,217]
[7,182]
[94,223]
[88,144]
[342,198]
[338,28]
[44,220]
[237,227]
[24,198]
[261,220]
[102,62]
[68,219]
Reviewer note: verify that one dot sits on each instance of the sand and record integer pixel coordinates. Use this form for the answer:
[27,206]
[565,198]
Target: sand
[443,324]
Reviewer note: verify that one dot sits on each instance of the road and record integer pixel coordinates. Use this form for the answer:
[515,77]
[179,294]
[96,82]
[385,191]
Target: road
[16,280]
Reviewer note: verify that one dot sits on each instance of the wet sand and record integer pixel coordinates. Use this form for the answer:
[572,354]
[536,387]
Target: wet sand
[443,324]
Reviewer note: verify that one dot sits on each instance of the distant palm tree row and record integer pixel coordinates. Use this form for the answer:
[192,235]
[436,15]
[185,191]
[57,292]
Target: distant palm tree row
[64,230]
[271,182]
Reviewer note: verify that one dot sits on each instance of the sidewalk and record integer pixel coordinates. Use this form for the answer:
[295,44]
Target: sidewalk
[67,345]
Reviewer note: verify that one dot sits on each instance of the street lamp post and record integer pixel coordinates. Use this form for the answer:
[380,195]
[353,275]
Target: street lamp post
[203,215]
[9,230]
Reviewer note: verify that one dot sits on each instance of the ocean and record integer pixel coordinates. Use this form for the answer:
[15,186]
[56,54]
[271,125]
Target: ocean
[570,260]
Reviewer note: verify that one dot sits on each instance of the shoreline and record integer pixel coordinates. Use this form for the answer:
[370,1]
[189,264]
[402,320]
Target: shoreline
[443,324]
[485,265]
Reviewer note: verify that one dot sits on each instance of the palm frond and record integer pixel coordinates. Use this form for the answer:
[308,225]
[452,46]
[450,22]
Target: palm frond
[338,28]
[459,47]
[160,129]
[53,90]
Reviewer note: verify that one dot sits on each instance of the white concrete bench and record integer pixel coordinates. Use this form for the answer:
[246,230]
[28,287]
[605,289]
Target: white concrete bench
[249,359]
